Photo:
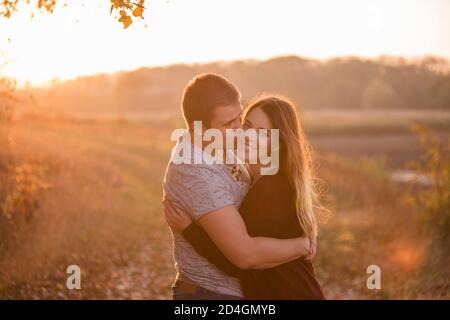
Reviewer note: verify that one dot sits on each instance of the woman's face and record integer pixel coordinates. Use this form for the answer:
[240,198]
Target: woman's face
[258,119]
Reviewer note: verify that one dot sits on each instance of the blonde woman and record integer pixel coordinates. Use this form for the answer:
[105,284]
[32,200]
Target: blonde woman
[277,206]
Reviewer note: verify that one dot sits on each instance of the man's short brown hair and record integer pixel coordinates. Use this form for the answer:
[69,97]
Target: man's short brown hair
[205,92]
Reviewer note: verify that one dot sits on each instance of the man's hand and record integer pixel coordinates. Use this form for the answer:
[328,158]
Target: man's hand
[312,249]
[176,218]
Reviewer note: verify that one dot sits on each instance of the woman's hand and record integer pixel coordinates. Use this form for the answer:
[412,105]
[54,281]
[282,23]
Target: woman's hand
[176,218]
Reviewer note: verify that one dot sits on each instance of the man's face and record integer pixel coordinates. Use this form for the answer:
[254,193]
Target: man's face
[227,117]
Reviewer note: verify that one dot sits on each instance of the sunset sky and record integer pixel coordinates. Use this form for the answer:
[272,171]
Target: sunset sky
[82,40]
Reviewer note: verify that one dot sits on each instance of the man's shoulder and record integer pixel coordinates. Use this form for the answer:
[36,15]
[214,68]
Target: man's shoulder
[195,176]
[198,189]
[197,171]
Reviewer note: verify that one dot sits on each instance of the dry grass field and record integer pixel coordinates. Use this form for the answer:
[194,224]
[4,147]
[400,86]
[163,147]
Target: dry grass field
[95,188]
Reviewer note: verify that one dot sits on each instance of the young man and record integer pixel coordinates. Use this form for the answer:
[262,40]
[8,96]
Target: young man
[211,194]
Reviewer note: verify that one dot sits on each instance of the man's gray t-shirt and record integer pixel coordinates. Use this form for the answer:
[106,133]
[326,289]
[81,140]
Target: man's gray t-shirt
[200,189]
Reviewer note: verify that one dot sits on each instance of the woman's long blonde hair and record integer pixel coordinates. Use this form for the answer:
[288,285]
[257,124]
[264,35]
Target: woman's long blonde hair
[295,157]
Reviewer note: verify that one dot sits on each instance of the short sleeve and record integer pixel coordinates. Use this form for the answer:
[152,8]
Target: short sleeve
[198,189]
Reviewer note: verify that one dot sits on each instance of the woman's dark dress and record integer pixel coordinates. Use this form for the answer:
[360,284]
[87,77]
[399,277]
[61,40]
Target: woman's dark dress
[268,210]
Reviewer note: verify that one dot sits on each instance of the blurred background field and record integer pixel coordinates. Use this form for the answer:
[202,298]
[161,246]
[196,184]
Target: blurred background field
[82,161]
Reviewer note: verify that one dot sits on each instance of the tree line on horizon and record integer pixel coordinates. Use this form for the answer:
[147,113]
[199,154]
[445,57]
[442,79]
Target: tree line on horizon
[342,83]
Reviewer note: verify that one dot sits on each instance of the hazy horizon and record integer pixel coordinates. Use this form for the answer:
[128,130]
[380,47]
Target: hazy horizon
[56,80]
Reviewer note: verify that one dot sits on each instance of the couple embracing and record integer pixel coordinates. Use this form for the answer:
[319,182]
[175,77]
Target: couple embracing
[239,231]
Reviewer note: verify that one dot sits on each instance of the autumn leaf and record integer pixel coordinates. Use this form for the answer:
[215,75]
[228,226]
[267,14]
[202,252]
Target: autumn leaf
[138,11]
[125,19]
[117,3]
